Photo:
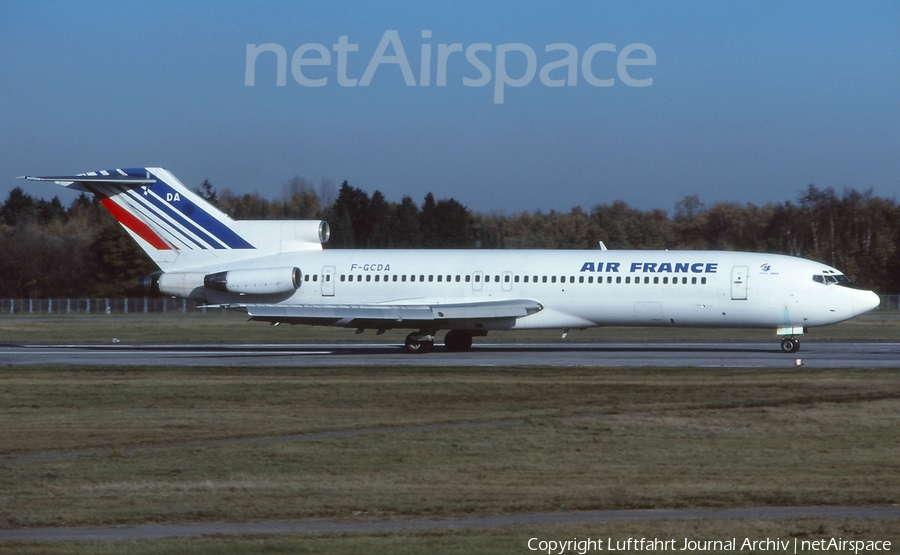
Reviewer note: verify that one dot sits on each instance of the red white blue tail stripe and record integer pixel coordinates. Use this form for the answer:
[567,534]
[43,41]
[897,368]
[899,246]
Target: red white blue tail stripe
[156,207]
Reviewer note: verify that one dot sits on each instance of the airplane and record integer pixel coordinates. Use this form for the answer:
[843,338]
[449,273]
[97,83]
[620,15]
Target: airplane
[278,272]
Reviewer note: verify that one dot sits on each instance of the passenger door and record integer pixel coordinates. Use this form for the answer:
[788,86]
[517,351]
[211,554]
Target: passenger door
[328,281]
[739,283]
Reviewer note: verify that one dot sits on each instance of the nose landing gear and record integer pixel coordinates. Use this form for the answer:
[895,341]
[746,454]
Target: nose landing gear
[790,344]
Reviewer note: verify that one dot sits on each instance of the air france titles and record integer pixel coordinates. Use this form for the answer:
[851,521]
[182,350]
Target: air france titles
[653,267]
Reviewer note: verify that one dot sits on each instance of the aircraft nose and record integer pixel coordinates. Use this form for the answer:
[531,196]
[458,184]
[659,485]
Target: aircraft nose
[865,301]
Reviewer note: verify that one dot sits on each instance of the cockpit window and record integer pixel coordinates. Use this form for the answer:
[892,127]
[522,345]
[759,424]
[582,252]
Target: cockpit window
[829,279]
[839,279]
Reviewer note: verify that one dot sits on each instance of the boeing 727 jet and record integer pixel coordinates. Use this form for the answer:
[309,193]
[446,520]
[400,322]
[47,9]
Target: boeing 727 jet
[278,272]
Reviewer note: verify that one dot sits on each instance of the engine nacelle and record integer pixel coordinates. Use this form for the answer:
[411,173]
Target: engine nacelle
[188,285]
[267,281]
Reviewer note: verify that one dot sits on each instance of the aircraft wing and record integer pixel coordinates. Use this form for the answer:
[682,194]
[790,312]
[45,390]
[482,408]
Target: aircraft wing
[391,315]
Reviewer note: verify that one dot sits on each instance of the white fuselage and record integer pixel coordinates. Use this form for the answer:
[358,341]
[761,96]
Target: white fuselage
[578,289]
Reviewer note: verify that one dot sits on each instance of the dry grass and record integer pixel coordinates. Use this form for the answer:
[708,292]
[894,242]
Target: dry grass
[589,439]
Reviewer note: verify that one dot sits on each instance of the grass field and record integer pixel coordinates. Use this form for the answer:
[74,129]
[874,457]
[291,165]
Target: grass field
[573,439]
[231,327]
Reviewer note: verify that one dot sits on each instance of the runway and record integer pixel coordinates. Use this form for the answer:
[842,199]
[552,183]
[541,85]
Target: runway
[822,354]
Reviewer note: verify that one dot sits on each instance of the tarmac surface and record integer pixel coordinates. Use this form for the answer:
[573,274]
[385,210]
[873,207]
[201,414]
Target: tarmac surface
[821,354]
[320,526]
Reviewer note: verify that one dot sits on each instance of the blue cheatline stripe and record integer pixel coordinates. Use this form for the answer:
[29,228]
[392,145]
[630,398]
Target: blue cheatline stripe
[219,231]
[173,227]
[160,221]
[156,200]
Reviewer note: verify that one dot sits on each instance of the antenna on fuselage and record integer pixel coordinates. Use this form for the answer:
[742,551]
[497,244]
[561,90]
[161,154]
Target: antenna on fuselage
[603,247]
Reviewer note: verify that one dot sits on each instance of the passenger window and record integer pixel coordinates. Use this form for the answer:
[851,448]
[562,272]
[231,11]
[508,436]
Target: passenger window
[516,279]
[440,277]
[376,278]
[369,277]
[628,279]
[468,278]
[609,279]
[618,279]
[403,278]
[665,281]
[421,277]
[526,279]
[544,279]
[316,277]
[646,279]
[684,281]
[505,279]
[412,278]
[702,281]
[590,279]
[477,278]
[693,281]
[306,277]
[580,279]
[343,277]
[552,279]
[496,279]
[655,280]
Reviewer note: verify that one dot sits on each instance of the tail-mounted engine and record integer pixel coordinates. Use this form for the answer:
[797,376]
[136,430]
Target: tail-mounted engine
[194,285]
[268,281]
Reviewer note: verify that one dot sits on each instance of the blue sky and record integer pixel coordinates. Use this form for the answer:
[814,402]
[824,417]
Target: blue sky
[749,101]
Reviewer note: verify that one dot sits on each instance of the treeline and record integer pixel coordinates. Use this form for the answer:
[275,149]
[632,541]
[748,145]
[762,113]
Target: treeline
[48,250]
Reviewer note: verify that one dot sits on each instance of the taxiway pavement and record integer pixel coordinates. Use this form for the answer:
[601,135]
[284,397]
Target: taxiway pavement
[822,354]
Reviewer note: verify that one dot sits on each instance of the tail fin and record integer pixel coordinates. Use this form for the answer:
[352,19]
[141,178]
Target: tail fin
[177,228]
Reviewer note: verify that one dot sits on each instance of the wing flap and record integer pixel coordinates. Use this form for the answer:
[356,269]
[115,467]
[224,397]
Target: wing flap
[347,315]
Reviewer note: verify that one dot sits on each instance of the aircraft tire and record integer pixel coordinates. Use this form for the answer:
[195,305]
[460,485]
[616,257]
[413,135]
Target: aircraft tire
[458,340]
[790,345]
[417,346]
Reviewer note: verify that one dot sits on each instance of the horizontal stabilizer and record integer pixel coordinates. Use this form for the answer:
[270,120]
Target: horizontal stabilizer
[78,181]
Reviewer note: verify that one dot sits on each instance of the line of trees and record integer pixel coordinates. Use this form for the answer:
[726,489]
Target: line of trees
[49,250]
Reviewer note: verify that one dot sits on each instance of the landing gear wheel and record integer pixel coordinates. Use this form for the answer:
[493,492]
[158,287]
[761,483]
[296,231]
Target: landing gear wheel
[458,340]
[790,345]
[419,343]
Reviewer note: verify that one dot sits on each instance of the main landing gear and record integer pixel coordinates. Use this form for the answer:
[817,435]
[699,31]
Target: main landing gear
[423,341]
[790,344]
[458,340]
[419,342]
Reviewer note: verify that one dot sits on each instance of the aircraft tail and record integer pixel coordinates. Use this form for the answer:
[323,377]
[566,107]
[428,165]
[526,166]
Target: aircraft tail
[178,229]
